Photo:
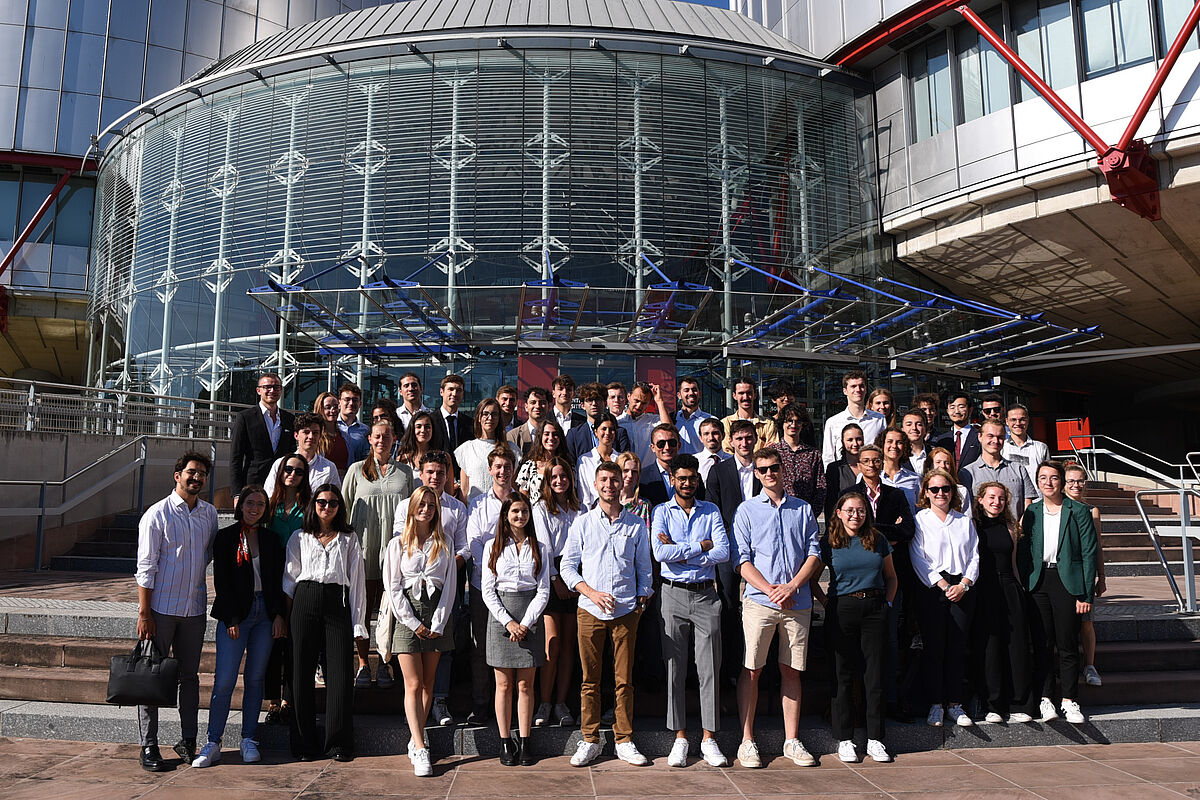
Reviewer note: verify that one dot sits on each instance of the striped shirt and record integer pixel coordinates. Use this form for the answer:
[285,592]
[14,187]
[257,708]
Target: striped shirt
[174,548]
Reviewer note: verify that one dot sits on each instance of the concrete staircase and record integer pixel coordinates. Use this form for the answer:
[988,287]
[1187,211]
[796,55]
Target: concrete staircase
[1128,549]
[112,549]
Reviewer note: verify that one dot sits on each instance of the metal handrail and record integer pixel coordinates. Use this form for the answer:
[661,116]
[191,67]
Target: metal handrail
[1185,526]
[97,390]
[1176,483]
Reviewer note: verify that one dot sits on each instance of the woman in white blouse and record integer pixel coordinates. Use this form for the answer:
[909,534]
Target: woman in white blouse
[326,588]
[420,582]
[516,587]
[472,455]
[945,557]
[552,518]
[606,438]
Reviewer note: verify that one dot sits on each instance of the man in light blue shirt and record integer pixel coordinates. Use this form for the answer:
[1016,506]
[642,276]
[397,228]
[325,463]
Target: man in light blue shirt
[354,432]
[607,560]
[689,540]
[689,416]
[776,541]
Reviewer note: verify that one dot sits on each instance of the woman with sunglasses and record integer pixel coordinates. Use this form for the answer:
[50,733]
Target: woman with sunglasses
[472,455]
[843,472]
[549,445]
[250,609]
[420,579]
[945,558]
[1001,638]
[606,428]
[373,488]
[333,444]
[285,515]
[325,584]
[552,518]
[862,587]
[941,458]
[1056,558]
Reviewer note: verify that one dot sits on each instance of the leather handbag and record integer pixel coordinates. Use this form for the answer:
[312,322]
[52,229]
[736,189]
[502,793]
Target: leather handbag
[143,678]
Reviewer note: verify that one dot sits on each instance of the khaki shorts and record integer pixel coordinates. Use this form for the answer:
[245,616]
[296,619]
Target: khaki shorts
[759,624]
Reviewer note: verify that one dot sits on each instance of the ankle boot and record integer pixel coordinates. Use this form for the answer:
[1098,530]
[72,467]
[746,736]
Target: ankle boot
[525,751]
[508,752]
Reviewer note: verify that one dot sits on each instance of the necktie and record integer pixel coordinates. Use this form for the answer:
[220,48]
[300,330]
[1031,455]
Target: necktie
[452,428]
[957,446]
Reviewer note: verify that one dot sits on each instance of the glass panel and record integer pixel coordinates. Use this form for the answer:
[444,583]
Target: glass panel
[919,69]
[1029,40]
[128,20]
[43,58]
[89,16]
[1099,52]
[969,72]
[168,21]
[47,13]
[1172,14]
[1134,43]
[34,191]
[941,95]
[238,32]
[123,70]
[84,63]
[1059,42]
[8,111]
[37,116]
[11,39]
[997,74]
[74,223]
[204,28]
[10,187]
[163,70]
[68,268]
[78,115]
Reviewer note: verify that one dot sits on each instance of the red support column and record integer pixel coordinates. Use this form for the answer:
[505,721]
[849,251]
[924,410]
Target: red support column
[11,255]
[1160,77]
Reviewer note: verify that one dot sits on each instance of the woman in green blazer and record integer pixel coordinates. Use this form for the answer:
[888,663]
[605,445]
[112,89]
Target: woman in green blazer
[1056,558]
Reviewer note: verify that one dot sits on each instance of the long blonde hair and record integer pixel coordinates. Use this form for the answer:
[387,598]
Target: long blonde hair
[409,537]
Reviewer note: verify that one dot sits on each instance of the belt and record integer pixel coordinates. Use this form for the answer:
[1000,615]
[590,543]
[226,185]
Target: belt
[701,586]
[866,594]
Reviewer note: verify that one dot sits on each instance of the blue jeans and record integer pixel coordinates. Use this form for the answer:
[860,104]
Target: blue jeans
[255,641]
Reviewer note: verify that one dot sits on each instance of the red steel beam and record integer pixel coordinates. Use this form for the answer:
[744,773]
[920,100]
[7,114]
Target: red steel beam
[1042,88]
[1160,77]
[878,37]
[33,223]
[48,160]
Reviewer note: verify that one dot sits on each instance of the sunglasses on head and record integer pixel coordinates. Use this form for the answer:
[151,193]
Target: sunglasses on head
[332,502]
[768,468]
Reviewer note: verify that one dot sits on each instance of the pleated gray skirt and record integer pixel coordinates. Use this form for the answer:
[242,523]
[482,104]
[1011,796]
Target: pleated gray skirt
[504,653]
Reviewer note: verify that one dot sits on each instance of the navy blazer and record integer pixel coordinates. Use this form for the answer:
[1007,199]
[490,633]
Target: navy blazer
[653,490]
[971,448]
[251,454]
[725,489]
[579,441]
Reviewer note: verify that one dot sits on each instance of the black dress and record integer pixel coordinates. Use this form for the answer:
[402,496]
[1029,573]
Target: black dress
[1003,665]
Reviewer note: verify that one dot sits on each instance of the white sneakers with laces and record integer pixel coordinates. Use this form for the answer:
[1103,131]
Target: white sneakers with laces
[712,753]
[993,718]
[878,752]
[846,751]
[678,755]
[747,754]
[628,752]
[793,749]
[422,766]
[1046,710]
[1072,713]
[209,754]
[1019,717]
[585,753]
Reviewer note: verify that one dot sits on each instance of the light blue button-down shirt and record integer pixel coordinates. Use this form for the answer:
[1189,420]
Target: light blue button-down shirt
[355,433]
[777,540]
[689,431]
[686,560]
[611,557]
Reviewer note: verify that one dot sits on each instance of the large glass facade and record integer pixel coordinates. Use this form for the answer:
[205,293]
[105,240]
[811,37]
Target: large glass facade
[471,172]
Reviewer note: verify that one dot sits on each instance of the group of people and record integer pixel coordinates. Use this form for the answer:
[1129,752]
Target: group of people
[615,536]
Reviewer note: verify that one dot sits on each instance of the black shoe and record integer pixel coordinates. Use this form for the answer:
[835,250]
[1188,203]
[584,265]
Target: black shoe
[508,752]
[478,715]
[152,760]
[186,749]
[898,713]
[305,757]
[525,751]
[343,754]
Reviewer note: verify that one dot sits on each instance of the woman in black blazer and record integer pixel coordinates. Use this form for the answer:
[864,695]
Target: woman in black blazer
[843,473]
[251,608]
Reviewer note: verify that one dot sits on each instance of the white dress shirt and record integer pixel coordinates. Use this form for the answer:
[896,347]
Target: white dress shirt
[746,477]
[871,422]
[917,461]
[564,420]
[406,416]
[950,546]
[586,475]
[483,515]
[174,548]
[340,562]
[639,429]
[552,530]
[454,521]
[1051,533]
[320,472]
[417,573]
[1028,455]
[709,460]
[274,424]
[515,573]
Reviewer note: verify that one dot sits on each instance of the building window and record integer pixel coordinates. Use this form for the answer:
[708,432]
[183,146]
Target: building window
[1171,15]
[1045,38]
[982,72]
[1116,34]
[933,97]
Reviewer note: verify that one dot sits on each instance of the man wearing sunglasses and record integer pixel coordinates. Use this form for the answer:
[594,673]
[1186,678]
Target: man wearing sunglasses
[260,435]
[778,552]
[320,469]
[656,487]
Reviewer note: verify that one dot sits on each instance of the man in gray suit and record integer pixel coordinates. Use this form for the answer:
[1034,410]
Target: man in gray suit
[537,406]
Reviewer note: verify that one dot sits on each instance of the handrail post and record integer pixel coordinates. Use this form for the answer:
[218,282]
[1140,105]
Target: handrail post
[141,491]
[191,426]
[1189,566]
[121,414]
[212,479]
[31,408]
[39,545]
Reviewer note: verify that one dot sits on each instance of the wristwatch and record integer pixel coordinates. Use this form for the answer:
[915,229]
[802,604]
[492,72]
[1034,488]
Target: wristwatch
[966,587]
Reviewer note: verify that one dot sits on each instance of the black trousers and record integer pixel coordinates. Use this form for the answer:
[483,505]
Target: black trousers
[277,685]
[1003,666]
[857,631]
[945,628]
[1055,625]
[321,622]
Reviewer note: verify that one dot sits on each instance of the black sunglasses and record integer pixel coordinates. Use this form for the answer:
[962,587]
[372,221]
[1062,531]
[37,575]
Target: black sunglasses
[332,502]
[939,489]
[768,468]
[290,470]
[663,444]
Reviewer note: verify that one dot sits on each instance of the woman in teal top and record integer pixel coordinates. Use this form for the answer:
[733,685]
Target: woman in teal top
[285,516]
[862,586]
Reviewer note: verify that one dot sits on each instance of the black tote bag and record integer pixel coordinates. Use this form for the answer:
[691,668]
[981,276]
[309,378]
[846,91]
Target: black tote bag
[143,678]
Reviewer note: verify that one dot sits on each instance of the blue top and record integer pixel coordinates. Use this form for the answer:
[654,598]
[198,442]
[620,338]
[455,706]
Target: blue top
[355,435]
[854,568]
[777,540]
[611,556]
[685,560]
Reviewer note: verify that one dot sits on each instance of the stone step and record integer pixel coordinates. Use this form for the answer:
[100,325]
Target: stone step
[1144,554]
[1159,686]
[81,653]
[1140,568]
[111,534]
[1147,656]
[1123,523]
[76,685]
[1119,507]
[116,564]
[386,735]
[105,549]
[1108,540]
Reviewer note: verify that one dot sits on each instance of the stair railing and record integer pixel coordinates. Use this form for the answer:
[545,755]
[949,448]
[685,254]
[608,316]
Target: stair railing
[1168,527]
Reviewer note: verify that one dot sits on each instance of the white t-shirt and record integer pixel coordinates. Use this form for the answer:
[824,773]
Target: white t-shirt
[1051,530]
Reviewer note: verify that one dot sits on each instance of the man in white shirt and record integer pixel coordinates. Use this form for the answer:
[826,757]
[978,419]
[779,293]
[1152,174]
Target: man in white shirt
[563,390]
[483,515]
[175,537]
[712,433]
[854,387]
[1020,447]
[410,392]
[457,426]
[320,469]
[638,422]
[689,416]
[915,426]
[745,394]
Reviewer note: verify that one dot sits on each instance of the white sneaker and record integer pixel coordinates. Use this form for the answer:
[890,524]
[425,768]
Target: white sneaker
[747,754]
[383,677]
[1019,717]
[319,676]
[993,718]
[846,751]
[1072,713]
[542,716]
[585,753]
[209,754]
[564,716]
[917,643]
[794,750]
[1091,676]
[1046,710]
[422,768]
[440,713]
[878,752]
[712,753]
[628,752]
[959,717]
[936,713]
[250,754]
[678,754]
